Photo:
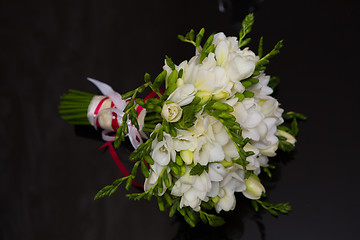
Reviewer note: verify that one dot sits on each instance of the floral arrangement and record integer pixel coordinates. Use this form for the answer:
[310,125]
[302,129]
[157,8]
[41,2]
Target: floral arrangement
[208,135]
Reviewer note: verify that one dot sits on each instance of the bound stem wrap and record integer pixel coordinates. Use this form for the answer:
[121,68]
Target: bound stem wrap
[106,112]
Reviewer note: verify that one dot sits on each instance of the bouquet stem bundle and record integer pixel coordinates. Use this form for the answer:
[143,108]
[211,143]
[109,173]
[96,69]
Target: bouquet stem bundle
[74,106]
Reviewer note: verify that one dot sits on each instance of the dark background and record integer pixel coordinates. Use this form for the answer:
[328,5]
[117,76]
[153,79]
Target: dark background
[49,172]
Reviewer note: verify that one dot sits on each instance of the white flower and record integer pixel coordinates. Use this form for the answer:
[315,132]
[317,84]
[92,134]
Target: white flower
[184,140]
[163,151]
[183,95]
[261,88]
[155,171]
[289,138]
[233,182]
[192,189]
[171,112]
[259,119]
[254,188]
[239,64]
[227,200]
[207,151]
[203,140]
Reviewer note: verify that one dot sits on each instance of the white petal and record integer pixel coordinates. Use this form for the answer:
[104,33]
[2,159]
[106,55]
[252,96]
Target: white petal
[216,153]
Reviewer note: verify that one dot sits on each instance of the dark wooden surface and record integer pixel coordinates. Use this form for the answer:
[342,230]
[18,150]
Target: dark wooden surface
[49,172]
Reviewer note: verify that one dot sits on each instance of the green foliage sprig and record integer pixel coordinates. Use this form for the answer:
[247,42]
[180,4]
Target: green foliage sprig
[283,208]
[221,111]
[292,129]
[204,50]
[246,24]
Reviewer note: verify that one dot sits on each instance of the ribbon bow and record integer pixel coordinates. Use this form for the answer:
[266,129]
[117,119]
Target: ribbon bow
[119,106]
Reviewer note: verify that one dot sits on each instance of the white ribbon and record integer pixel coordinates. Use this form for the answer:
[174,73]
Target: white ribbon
[134,134]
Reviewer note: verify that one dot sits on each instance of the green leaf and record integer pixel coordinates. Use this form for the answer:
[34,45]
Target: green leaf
[255,205]
[189,221]
[161,204]
[159,80]
[173,209]
[191,214]
[272,209]
[149,159]
[244,42]
[203,217]
[199,37]
[110,189]
[272,53]
[128,94]
[170,63]
[190,35]
[181,71]
[292,115]
[283,207]
[260,48]
[294,127]
[274,81]
[248,94]
[128,183]
[144,169]
[197,169]
[208,41]
[168,198]
[147,77]
[246,28]
[262,62]
[215,221]
[207,205]
[165,178]
[240,96]
[222,106]
[267,171]
[188,118]
[181,38]
[134,169]
[246,83]
[286,146]
[205,52]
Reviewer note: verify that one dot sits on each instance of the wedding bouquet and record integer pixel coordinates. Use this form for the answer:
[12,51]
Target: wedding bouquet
[206,136]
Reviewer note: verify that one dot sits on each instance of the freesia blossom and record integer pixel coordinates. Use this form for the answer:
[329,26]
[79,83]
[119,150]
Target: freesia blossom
[154,173]
[163,151]
[289,138]
[171,112]
[202,140]
[239,64]
[261,88]
[183,95]
[232,182]
[254,189]
[192,189]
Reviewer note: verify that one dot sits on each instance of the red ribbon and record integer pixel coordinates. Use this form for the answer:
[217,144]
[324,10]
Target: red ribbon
[98,109]
[118,162]
[115,125]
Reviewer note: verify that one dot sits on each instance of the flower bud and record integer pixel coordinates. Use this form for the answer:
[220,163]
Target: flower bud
[220,95]
[254,188]
[171,112]
[226,163]
[204,95]
[179,82]
[289,138]
[187,156]
[215,199]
